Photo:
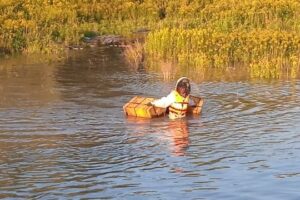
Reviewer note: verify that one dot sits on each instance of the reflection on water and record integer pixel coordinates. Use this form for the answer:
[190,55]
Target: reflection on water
[174,132]
[180,135]
[63,134]
[24,84]
[171,71]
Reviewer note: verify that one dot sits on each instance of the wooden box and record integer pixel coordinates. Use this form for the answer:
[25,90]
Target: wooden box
[196,110]
[138,107]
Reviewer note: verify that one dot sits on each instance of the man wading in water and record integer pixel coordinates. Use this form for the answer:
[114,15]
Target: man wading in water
[178,100]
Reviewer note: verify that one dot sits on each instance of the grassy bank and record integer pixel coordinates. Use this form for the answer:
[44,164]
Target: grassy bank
[30,26]
[265,52]
[260,35]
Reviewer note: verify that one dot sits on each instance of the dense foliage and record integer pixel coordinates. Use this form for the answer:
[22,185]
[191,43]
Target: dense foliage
[201,33]
[43,25]
[262,35]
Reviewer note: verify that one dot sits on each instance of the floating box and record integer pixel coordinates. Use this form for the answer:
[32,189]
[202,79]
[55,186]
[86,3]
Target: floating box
[138,107]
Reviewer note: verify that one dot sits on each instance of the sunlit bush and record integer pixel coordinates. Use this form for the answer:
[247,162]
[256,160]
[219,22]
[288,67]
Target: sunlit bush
[258,49]
[205,33]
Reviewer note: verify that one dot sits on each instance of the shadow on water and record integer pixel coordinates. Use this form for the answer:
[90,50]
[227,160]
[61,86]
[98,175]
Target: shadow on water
[91,73]
[99,77]
[25,83]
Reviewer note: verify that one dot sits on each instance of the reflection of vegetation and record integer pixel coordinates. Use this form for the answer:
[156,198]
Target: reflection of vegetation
[173,71]
[134,54]
[263,35]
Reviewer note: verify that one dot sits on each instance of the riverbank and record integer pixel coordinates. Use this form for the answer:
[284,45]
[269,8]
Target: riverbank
[261,36]
[48,27]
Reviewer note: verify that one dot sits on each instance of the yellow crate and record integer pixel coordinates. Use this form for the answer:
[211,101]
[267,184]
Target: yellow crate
[138,107]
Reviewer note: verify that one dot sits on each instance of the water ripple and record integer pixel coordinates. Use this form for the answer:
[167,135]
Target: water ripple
[73,141]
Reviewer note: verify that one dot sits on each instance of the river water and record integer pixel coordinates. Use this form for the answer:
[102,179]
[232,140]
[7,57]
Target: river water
[63,134]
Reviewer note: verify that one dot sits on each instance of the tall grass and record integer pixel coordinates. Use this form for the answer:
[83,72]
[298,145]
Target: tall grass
[208,48]
[47,26]
[261,35]
[134,54]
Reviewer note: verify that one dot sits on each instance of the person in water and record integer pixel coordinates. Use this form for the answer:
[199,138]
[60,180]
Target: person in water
[178,100]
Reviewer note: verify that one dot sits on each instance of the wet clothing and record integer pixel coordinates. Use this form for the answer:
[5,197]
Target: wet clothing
[176,103]
[178,100]
[178,109]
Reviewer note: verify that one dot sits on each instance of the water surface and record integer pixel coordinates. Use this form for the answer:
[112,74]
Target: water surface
[63,134]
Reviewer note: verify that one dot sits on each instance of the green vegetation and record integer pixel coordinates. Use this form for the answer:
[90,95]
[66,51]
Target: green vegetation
[266,52]
[47,26]
[263,36]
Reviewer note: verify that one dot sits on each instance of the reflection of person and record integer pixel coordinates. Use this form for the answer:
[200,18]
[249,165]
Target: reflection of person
[178,100]
[180,135]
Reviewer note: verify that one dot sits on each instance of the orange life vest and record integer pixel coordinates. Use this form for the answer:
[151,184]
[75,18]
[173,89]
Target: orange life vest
[178,109]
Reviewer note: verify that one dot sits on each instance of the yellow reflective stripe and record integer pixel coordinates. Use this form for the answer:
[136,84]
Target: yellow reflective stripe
[178,109]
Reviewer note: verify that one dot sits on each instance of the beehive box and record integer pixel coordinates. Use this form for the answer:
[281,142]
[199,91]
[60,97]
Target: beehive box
[197,108]
[138,107]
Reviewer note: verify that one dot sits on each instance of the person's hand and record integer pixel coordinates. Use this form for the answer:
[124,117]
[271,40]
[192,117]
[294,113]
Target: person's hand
[149,104]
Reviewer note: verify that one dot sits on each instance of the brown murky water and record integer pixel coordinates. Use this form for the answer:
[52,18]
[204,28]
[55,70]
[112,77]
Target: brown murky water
[63,135]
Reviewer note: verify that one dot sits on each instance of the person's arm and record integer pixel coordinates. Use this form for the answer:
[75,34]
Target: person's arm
[164,102]
[192,102]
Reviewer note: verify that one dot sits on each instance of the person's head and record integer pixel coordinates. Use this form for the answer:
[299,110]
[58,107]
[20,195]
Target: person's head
[183,86]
